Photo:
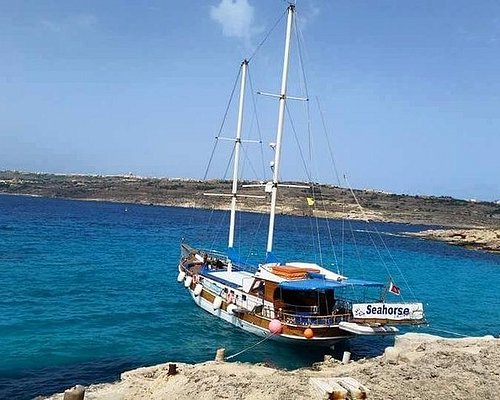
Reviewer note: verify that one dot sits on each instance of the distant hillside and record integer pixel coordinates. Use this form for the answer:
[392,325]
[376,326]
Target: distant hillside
[330,200]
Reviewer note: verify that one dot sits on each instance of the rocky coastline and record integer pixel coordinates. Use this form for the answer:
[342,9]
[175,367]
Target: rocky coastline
[472,224]
[482,239]
[418,366]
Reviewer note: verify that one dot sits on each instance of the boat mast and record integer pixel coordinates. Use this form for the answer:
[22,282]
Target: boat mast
[239,126]
[281,120]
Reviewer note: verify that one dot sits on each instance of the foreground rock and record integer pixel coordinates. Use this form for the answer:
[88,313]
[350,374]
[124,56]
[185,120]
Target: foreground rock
[417,367]
[483,239]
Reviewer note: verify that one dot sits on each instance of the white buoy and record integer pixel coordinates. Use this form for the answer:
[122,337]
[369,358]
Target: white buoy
[187,281]
[181,276]
[230,308]
[197,289]
[217,303]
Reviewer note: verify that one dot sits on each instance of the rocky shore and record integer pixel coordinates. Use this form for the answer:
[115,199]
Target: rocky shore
[330,201]
[419,366]
[483,239]
[478,222]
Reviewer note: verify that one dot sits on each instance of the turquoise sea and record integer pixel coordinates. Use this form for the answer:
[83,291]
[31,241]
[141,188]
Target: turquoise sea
[88,289]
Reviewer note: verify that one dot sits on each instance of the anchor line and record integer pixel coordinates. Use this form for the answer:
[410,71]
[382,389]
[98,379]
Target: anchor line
[446,331]
[250,347]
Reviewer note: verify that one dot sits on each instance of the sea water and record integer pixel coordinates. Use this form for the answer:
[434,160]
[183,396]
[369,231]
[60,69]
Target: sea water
[88,289]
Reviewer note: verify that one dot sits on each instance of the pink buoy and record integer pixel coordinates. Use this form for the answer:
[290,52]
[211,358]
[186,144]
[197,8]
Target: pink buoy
[275,326]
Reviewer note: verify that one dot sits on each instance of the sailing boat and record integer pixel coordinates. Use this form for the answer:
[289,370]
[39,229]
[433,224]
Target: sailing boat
[297,302]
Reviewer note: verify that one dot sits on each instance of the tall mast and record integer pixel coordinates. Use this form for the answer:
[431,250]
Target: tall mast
[281,120]
[237,145]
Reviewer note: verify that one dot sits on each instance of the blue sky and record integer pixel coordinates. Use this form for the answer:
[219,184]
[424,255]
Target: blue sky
[410,91]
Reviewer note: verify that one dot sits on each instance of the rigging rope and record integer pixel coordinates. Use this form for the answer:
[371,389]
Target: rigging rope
[222,124]
[383,242]
[330,151]
[299,37]
[307,171]
[252,248]
[230,161]
[356,247]
[256,116]
[248,160]
[342,250]
[267,35]
[303,83]
[309,179]
[335,170]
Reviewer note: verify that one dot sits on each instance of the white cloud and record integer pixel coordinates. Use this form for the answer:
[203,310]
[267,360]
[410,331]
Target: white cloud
[236,18]
[308,13]
[75,22]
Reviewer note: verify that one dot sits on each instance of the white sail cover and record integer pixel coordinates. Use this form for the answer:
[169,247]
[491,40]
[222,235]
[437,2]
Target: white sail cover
[390,311]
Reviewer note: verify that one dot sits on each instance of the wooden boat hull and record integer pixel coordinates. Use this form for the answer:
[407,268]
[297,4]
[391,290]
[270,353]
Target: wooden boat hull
[223,293]
[324,336]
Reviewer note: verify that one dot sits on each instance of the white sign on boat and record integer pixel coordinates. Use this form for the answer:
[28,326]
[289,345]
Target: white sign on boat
[390,311]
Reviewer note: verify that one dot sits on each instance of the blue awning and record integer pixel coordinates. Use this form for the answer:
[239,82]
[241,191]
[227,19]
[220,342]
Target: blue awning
[237,259]
[271,258]
[324,284]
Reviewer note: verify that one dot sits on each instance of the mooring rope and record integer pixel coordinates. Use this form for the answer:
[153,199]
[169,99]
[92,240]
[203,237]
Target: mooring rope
[272,334]
[446,331]
[250,347]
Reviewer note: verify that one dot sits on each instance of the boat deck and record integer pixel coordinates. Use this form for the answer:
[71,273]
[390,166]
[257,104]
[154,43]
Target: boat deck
[233,278]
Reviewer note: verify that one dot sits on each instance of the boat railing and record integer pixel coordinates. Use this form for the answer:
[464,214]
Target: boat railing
[295,309]
[342,306]
[304,318]
[245,268]
[314,320]
[339,306]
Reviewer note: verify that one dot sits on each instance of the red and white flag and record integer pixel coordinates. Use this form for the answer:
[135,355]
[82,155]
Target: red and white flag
[394,289]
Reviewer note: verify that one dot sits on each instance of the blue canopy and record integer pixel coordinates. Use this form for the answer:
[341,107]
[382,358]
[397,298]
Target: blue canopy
[271,258]
[245,262]
[324,284]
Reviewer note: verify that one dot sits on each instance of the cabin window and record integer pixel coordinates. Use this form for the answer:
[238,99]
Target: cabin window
[258,287]
[320,302]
